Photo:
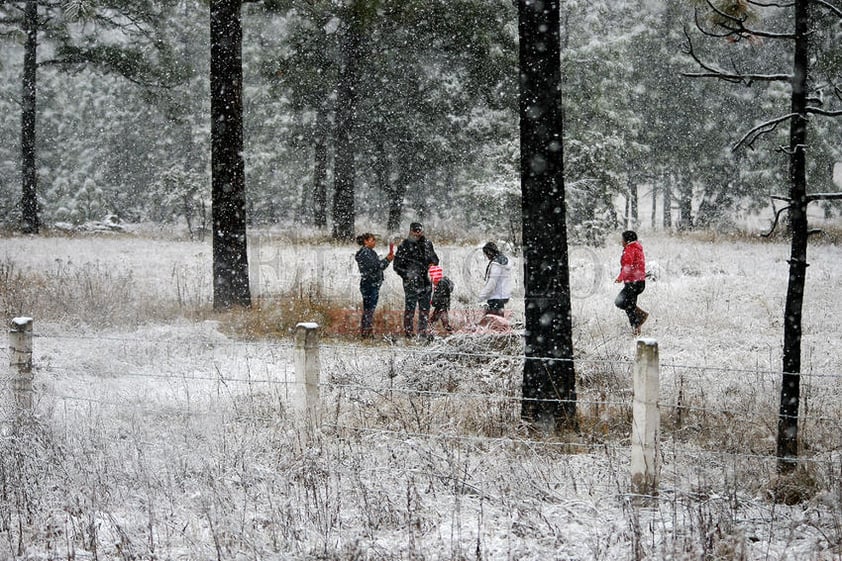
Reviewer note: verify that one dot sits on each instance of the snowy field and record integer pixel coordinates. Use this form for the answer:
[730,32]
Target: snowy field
[162,432]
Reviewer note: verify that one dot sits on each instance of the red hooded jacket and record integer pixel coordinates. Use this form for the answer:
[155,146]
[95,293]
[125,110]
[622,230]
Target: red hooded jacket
[632,263]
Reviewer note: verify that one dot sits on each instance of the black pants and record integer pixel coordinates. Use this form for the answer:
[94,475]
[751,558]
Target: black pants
[627,300]
[371,294]
[495,306]
[441,314]
[417,293]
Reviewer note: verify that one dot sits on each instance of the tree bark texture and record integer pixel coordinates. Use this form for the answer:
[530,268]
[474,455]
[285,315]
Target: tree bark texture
[787,445]
[30,222]
[320,170]
[230,259]
[549,391]
[346,99]
[667,193]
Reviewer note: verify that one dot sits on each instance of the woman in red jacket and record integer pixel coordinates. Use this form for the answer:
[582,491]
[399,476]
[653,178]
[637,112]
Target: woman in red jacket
[633,276]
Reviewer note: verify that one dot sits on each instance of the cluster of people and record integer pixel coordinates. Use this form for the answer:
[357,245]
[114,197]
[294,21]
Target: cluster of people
[424,284]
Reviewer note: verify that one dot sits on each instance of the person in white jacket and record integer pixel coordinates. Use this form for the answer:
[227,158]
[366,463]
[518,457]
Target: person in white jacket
[498,280]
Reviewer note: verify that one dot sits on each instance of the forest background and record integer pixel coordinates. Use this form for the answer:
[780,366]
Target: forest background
[435,134]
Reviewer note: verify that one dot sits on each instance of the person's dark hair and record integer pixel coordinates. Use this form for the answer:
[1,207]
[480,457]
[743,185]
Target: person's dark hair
[629,236]
[363,237]
[416,227]
[490,249]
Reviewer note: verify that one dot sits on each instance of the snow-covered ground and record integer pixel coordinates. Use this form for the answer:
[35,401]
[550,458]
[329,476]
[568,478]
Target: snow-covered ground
[161,434]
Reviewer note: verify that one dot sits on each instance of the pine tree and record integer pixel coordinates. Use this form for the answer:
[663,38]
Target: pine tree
[549,380]
[735,21]
[228,190]
[119,38]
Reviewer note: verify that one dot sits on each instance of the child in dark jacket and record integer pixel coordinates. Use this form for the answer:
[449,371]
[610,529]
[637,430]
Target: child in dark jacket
[443,288]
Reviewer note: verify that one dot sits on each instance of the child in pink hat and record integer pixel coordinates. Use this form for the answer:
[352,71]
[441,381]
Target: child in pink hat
[442,289]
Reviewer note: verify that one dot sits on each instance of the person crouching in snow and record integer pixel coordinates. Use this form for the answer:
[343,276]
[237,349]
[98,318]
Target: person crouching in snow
[442,289]
[498,280]
[371,278]
[633,276]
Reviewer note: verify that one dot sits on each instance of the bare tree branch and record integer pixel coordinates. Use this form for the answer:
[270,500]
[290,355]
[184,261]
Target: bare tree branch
[824,112]
[705,31]
[747,79]
[771,4]
[829,6]
[739,27]
[751,136]
[724,75]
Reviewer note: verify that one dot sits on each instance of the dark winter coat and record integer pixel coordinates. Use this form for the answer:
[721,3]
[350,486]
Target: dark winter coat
[371,267]
[441,295]
[412,259]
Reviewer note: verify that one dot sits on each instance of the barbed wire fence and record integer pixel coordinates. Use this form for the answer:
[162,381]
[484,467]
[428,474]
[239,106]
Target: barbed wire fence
[465,388]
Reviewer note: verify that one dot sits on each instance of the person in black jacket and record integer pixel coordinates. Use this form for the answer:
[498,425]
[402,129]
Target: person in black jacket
[412,259]
[371,278]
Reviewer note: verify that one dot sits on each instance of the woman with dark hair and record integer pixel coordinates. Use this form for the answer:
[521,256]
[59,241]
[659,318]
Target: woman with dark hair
[633,276]
[371,278]
[498,280]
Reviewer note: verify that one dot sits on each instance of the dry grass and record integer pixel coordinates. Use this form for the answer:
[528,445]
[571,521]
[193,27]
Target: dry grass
[422,454]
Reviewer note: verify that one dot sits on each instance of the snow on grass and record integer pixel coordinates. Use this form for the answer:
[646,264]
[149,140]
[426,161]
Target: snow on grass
[161,434]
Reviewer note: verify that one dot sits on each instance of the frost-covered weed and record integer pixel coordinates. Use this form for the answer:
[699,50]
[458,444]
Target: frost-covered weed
[167,436]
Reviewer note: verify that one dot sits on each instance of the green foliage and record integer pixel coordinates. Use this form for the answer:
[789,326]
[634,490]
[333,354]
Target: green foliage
[426,66]
[437,108]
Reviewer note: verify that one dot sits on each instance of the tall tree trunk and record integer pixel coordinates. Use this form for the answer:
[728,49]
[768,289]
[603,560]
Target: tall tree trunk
[549,380]
[667,192]
[320,170]
[344,170]
[627,212]
[633,197]
[653,218]
[685,206]
[396,196]
[394,193]
[228,190]
[30,223]
[787,448]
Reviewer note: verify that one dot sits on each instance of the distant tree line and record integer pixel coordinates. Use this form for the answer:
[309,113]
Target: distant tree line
[373,109]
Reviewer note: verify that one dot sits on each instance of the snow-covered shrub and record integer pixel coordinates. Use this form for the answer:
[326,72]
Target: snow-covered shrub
[180,193]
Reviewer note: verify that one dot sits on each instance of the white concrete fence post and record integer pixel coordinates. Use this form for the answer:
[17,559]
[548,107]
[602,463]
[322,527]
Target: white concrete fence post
[20,362]
[307,371]
[646,419]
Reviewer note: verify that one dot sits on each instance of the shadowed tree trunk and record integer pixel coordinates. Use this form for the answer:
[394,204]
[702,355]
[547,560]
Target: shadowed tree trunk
[653,220]
[787,448]
[230,259]
[396,193]
[633,201]
[320,170]
[30,223]
[802,103]
[346,97]
[685,205]
[549,381]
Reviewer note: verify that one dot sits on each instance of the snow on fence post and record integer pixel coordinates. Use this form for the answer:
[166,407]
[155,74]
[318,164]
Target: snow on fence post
[20,362]
[307,370]
[646,419]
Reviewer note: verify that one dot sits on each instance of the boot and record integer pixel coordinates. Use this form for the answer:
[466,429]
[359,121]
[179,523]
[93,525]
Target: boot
[641,319]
